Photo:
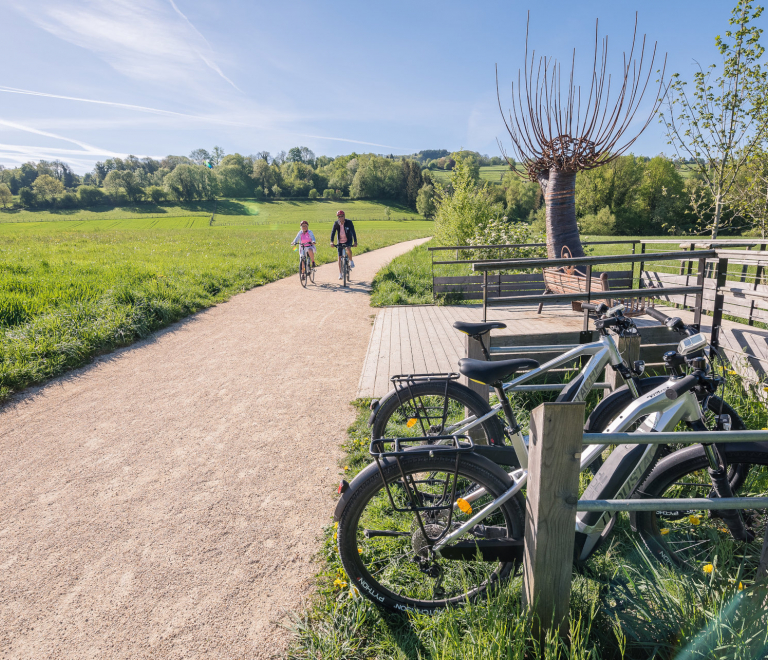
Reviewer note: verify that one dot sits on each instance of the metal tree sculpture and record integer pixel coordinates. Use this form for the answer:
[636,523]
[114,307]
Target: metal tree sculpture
[554,141]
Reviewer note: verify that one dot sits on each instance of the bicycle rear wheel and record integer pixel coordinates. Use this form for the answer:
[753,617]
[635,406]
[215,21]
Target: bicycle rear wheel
[431,408]
[700,540]
[303,273]
[311,274]
[345,269]
[385,550]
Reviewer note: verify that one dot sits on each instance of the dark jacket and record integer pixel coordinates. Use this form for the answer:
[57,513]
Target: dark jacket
[349,228]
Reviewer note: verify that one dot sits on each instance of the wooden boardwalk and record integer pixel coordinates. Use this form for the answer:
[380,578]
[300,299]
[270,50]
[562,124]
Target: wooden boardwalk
[421,339]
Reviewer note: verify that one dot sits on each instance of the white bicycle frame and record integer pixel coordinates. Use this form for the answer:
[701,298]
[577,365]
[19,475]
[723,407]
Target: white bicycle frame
[661,413]
[602,352]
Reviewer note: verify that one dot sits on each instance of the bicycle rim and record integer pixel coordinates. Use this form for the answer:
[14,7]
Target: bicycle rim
[699,540]
[303,273]
[385,551]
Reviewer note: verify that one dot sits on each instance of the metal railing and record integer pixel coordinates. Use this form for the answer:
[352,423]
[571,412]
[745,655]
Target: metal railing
[588,263]
[674,504]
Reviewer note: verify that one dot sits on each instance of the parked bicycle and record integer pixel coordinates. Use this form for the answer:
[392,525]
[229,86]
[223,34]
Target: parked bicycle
[437,520]
[436,404]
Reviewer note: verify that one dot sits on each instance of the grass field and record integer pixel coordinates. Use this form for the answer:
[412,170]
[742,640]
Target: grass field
[228,212]
[491,174]
[72,289]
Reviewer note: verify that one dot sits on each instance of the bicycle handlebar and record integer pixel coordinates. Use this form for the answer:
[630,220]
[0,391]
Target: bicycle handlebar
[680,387]
[661,317]
[598,308]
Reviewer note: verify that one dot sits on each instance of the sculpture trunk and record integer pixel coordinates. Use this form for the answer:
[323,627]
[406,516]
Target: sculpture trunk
[559,189]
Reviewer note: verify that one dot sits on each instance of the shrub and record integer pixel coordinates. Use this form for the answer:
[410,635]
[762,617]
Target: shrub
[26,197]
[501,231]
[602,223]
[468,207]
[5,195]
[313,194]
[67,201]
[327,193]
[90,196]
[156,194]
[425,201]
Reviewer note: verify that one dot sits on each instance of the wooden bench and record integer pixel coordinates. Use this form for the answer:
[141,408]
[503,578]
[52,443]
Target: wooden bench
[570,280]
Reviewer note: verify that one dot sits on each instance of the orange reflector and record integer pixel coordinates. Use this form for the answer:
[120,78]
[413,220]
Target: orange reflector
[464,506]
[411,422]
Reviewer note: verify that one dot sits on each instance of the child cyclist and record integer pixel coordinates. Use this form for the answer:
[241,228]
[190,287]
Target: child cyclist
[306,239]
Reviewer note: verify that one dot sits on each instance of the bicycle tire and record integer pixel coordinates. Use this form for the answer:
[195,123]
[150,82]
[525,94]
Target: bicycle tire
[345,269]
[393,410]
[692,540]
[311,274]
[303,273]
[400,583]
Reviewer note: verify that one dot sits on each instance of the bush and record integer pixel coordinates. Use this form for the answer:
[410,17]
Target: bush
[90,196]
[67,201]
[313,194]
[26,197]
[461,213]
[327,193]
[501,231]
[425,201]
[603,223]
[156,194]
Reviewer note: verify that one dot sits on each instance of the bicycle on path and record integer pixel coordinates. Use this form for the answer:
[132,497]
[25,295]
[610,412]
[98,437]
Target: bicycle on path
[306,269]
[345,267]
[437,520]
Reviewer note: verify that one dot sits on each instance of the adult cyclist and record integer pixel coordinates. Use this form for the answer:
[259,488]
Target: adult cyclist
[347,238]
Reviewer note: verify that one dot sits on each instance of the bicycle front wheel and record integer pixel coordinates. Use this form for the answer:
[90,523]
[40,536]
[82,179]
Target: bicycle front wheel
[700,540]
[385,550]
[431,408]
[303,273]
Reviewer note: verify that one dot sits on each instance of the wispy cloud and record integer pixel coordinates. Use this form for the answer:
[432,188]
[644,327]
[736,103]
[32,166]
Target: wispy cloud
[148,40]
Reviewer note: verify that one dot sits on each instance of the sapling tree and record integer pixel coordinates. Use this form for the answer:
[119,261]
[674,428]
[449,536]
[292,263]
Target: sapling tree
[719,122]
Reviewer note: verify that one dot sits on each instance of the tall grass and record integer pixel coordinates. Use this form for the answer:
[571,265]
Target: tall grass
[67,294]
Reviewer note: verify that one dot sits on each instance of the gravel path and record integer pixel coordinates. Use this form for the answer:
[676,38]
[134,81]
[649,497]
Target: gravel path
[166,501]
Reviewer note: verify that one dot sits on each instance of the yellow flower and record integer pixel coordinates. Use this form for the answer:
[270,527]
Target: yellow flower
[741,586]
[664,531]
[335,535]
[353,591]
[346,467]
[708,568]
[359,551]
[335,525]
[724,530]
[339,583]
[731,372]
[695,520]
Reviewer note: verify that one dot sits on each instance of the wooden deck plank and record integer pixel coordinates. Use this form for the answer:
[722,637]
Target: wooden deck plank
[406,349]
[417,349]
[440,344]
[366,386]
[426,340]
[382,366]
[395,355]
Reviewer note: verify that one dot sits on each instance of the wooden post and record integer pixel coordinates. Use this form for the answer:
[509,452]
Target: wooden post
[553,490]
[629,347]
[475,352]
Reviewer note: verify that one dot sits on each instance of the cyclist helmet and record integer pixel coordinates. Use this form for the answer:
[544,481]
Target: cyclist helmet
[339,214]
[303,222]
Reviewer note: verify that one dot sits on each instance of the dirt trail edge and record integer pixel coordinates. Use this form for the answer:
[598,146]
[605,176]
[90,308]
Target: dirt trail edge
[167,500]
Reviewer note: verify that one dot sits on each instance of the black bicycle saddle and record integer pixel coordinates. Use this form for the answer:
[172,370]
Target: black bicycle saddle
[475,329]
[493,372]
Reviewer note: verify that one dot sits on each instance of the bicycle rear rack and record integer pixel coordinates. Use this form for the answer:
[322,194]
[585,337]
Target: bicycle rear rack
[404,382]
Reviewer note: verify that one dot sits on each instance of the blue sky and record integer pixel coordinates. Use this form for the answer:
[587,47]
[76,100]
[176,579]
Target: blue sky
[87,79]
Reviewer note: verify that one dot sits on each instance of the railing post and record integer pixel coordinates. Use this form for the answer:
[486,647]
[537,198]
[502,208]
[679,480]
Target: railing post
[485,295]
[553,490]
[717,309]
[642,266]
[700,279]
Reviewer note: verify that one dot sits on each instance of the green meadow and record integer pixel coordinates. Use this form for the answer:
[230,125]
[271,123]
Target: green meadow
[72,289]
[228,212]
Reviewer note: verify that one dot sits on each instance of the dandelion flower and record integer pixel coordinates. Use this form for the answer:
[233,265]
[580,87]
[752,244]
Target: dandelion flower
[335,525]
[354,592]
[346,467]
[359,551]
[741,586]
[695,520]
[339,583]
[724,530]
[664,531]
[708,568]
[335,535]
